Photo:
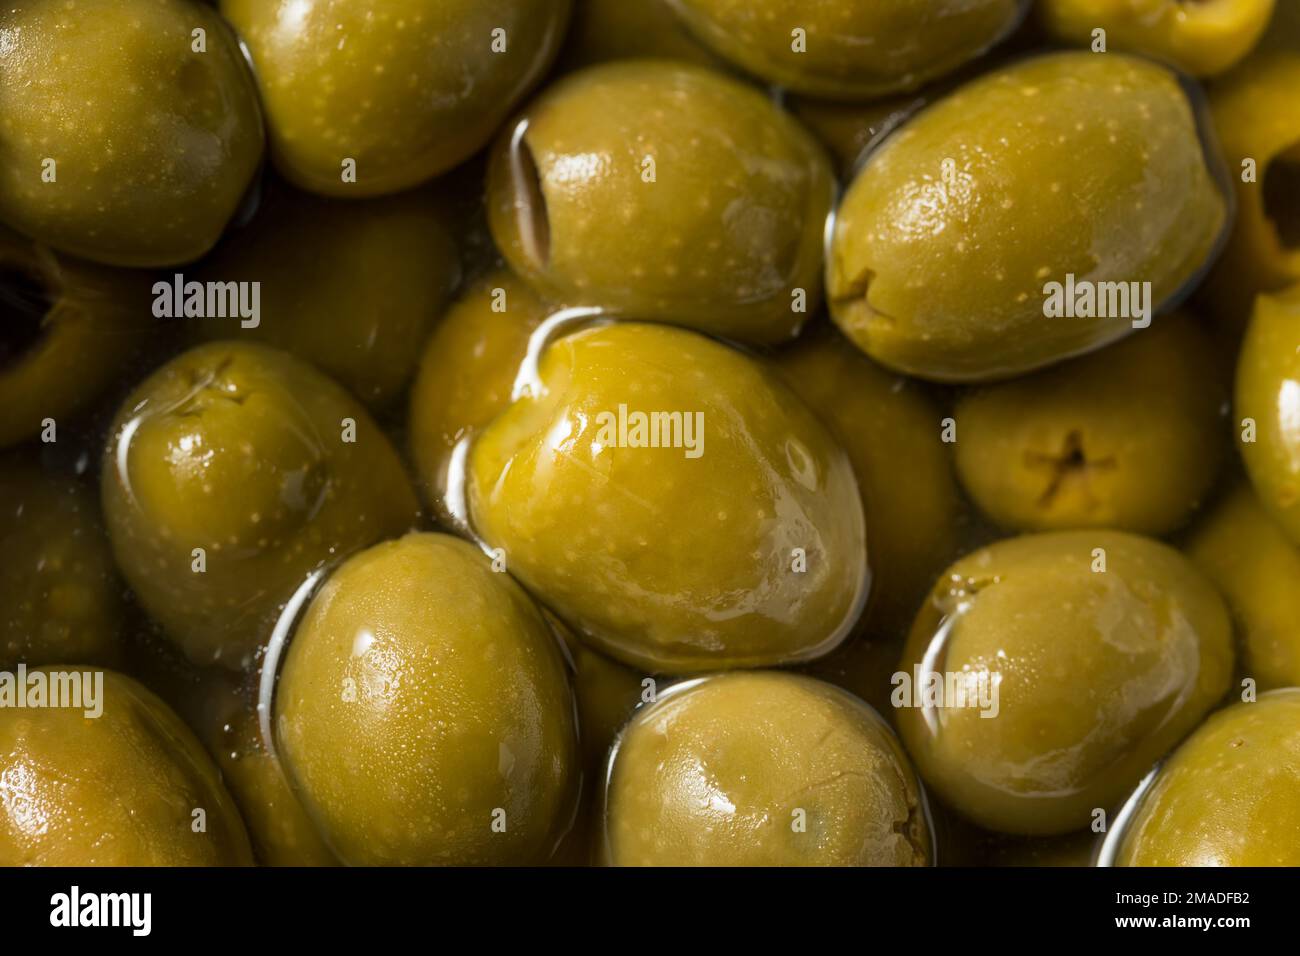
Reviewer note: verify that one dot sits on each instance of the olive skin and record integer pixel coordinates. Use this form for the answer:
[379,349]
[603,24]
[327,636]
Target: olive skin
[1068,164]
[1268,394]
[1132,437]
[857,49]
[667,192]
[425,714]
[1199,38]
[793,772]
[891,429]
[1227,796]
[405,88]
[239,450]
[353,287]
[1256,567]
[672,559]
[467,371]
[148,168]
[120,789]
[60,598]
[605,30]
[67,330]
[1098,674]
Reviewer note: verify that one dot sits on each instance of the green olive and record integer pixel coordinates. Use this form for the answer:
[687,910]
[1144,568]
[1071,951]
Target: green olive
[851,49]
[1091,652]
[1004,227]
[231,474]
[672,502]
[129,787]
[66,331]
[353,287]
[1227,796]
[761,769]
[366,98]
[129,129]
[425,714]
[1257,568]
[667,192]
[1268,406]
[605,30]
[60,599]
[1132,437]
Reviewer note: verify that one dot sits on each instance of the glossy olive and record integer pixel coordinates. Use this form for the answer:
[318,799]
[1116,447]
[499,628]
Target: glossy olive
[1092,652]
[231,474]
[1064,169]
[366,98]
[665,191]
[605,30]
[425,714]
[726,531]
[131,128]
[761,769]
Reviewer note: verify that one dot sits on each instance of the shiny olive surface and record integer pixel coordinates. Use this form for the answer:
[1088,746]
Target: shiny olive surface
[665,191]
[731,536]
[120,140]
[229,477]
[761,769]
[1064,165]
[404,89]
[129,787]
[425,714]
[1228,795]
[1097,673]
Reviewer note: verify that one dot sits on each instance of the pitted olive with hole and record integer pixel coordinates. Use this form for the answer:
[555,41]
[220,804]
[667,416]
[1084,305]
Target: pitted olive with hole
[850,49]
[1132,437]
[1257,568]
[1268,406]
[673,502]
[60,597]
[761,769]
[1091,653]
[403,89]
[664,191]
[1002,228]
[1202,38]
[67,330]
[123,141]
[1227,796]
[353,287]
[231,474]
[424,711]
[128,787]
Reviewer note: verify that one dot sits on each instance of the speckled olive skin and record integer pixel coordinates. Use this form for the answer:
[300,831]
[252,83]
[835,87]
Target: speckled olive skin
[1064,164]
[1227,796]
[239,449]
[422,696]
[665,191]
[1257,118]
[605,30]
[853,49]
[716,772]
[353,287]
[1268,393]
[67,339]
[60,597]
[1201,38]
[891,428]
[668,562]
[406,88]
[153,144]
[1101,672]
[467,372]
[1132,437]
[1257,568]
[120,789]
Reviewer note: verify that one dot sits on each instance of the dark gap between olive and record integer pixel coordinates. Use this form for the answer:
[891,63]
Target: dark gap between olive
[1282,198]
[24,302]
